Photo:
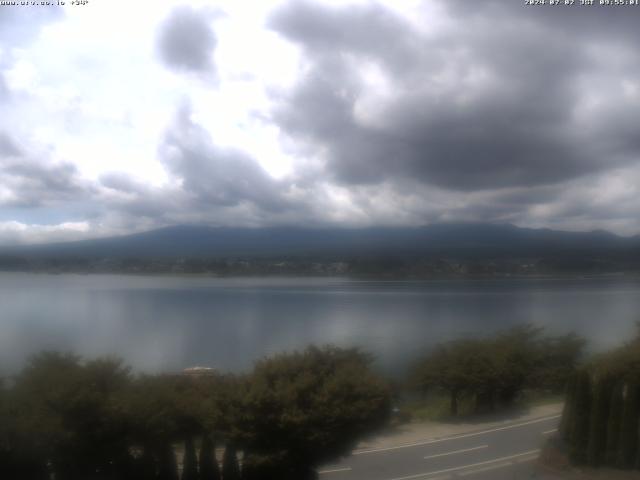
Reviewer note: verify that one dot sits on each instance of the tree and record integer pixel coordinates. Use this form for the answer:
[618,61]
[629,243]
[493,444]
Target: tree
[306,408]
[628,445]
[19,457]
[616,406]
[579,436]
[68,411]
[209,469]
[517,356]
[596,447]
[457,367]
[557,361]
[566,422]
[230,467]
[190,461]
[607,391]
[167,409]
[167,465]
[495,371]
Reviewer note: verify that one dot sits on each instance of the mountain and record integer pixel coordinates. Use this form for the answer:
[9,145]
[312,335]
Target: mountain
[439,240]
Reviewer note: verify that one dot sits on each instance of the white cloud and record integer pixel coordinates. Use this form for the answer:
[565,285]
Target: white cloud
[13,232]
[90,91]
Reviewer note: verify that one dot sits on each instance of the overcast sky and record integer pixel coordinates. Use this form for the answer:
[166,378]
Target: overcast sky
[122,116]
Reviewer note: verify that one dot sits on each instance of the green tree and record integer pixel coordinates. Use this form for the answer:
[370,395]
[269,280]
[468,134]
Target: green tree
[167,465]
[600,409]
[456,367]
[557,361]
[209,469]
[68,411]
[612,403]
[167,409]
[230,466]
[190,461]
[517,353]
[19,456]
[629,426]
[306,408]
[614,423]
[579,436]
[566,422]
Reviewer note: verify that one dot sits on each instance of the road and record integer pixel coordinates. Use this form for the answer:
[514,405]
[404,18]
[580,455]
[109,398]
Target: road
[507,451]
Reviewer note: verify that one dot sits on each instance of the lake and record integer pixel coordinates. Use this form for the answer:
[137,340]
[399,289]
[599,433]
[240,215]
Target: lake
[170,322]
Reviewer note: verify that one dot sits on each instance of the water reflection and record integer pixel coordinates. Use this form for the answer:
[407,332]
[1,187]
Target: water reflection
[159,323]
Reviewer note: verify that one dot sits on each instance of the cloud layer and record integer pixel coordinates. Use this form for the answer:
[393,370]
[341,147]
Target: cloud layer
[483,105]
[320,112]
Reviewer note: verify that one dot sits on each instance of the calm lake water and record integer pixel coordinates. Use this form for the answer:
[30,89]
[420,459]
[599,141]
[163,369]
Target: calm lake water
[168,323]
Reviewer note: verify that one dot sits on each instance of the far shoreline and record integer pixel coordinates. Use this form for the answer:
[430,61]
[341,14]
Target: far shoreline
[620,275]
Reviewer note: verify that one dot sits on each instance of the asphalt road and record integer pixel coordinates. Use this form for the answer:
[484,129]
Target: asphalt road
[503,452]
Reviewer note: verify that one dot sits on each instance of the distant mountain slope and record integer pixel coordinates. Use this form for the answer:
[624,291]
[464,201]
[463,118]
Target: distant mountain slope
[465,240]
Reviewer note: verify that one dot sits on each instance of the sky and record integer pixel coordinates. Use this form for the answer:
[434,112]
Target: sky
[118,116]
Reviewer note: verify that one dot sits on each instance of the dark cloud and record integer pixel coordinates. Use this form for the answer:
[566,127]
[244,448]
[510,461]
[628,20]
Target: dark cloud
[587,22]
[34,184]
[216,176]
[186,41]
[138,200]
[31,182]
[369,30]
[496,101]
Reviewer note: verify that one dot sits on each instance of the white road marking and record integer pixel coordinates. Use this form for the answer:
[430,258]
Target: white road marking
[455,437]
[475,471]
[472,465]
[335,470]
[550,431]
[456,451]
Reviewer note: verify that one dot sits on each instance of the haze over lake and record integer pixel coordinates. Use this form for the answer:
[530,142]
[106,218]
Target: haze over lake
[169,322]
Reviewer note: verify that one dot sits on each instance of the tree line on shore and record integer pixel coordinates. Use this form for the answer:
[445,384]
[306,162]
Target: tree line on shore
[601,420]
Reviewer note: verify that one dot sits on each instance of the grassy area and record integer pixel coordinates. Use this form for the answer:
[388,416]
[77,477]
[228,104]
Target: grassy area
[436,406]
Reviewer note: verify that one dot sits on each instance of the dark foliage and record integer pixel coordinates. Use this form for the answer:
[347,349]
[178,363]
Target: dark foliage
[306,408]
[495,371]
[209,469]
[230,466]
[190,461]
[601,421]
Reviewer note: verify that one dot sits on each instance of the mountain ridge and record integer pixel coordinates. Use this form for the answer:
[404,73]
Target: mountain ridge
[442,239]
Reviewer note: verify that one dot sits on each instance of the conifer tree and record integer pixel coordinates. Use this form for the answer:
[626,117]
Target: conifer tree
[190,461]
[580,429]
[596,447]
[167,466]
[567,414]
[629,426]
[209,469]
[613,423]
[230,466]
